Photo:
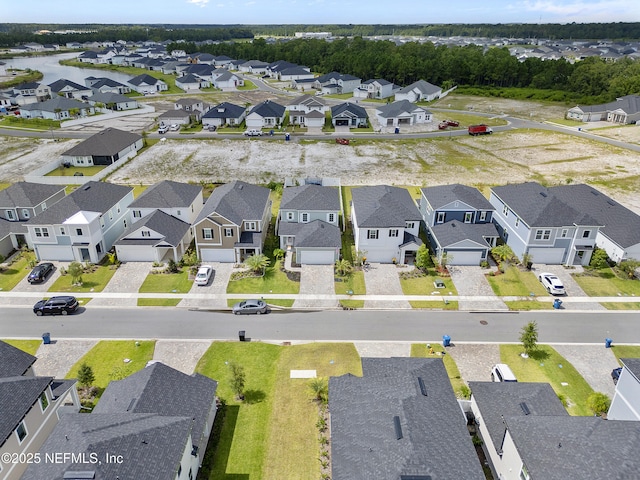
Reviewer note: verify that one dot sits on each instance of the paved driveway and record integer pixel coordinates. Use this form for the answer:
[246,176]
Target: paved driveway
[316,280]
[181,355]
[570,285]
[594,363]
[474,360]
[218,284]
[128,279]
[57,358]
[24,286]
[382,279]
[471,281]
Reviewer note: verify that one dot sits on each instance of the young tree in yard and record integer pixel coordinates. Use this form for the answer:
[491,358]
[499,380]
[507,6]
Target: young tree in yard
[599,259]
[503,253]
[75,270]
[598,403]
[343,267]
[257,263]
[529,337]
[237,380]
[85,375]
[423,258]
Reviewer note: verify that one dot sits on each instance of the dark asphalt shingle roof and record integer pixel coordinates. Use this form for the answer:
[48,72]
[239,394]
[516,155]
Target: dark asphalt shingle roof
[310,197]
[143,78]
[236,201]
[435,442]
[107,82]
[297,70]
[109,97]
[225,110]
[344,108]
[317,233]
[58,85]
[442,195]
[422,86]
[450,233]
[633,365]
[383,206]
[90,197]
[268,109]
[17,396]
[27,194]
[56,103]
[400,107]
[108,142]
[308,100]
[171,230]
[167,194]
[13,361]
[188,78]
[630,104]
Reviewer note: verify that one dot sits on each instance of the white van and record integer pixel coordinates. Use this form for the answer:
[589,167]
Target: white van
[502,373]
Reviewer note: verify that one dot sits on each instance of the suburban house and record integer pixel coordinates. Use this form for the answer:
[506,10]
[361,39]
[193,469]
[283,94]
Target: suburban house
[31,92]
[83,225]
[68,89]
[274,68]
[399,421]
[191,105]
[377,88]
[5,103]
[161,219]
[401,113]
[528,434]
[157,422]
[106,85]
[177,117]
[334,82]
[224,114]
[190,82]
[265,115]
[104,148]
[228,81]
[534,220]
[112,101]
[386,223]
[57,108]
[295,73]
[626,401]
[349,115]
[308,224]
[624,110]
[256,67]
[420,91]
[233,223]
[459,223]
[145,84]
[307,111]
[31,408]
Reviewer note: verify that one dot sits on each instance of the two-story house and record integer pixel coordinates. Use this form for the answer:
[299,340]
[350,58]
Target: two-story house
[378,88]
[68,89]
[21,202]
[31,92]
[386,223]
[459,223]
[626,400]
[266,114]
[533,220]
[308,224]
[233,223]
[83,225]
[30,408]
[160,226]
[307,111]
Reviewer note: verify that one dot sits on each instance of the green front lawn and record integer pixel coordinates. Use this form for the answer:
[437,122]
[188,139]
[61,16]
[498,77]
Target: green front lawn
[529,305]
[167,283]
[547,365]
[420,350]
[425,286]
[354,282]
[605,283]
[158,302]
[251,443]
[626,351]
[515,282]
[29,346]
[91,282]
[71,171]
[11,276]
[248,85]
[621,305]
[273,281]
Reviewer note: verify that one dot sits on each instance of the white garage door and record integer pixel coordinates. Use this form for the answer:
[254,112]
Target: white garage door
[55,252]
[460,257]
[135,253]
[217,255]
[551,256]
[315,257]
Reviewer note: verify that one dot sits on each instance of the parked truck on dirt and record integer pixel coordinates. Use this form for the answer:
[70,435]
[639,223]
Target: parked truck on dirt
[479,130]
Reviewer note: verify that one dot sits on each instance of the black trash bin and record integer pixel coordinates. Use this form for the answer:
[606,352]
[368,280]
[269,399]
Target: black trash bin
[241,335]
[46,338]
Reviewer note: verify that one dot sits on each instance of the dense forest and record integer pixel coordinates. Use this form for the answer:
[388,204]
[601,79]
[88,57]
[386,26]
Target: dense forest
[590,81]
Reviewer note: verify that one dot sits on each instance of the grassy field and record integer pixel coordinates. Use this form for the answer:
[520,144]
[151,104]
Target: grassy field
[91,282]
[29,346]
[11,276]
[420,350]
[425,286]
[547,365]
[515,282]
[166,283]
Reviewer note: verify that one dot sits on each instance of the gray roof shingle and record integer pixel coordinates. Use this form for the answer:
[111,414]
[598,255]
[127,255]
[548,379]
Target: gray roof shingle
[442,195]
[400,107]
[108,142]
[357,110]
[422,86]
[143,78]
[633,365]
[236,201]
[167,194]
[268,109]
[452,232]
[17,396]
[316,234]
[310,197]
[13,361]
[171,230]
[56,104]
[26,194]
[225,110]
[383,206]
[109,97]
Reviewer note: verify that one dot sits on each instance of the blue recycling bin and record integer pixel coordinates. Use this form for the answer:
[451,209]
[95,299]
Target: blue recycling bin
[607,343]
[446,340]
[287,137]
[397,130]
[46,338]
[557,303]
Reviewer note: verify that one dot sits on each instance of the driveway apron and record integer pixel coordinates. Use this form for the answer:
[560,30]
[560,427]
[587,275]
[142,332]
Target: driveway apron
[383,349]
[217,285]
[382,279]
[474,360]
[316,280]
[470,281]
[181,355]
[570,285]
[128,279]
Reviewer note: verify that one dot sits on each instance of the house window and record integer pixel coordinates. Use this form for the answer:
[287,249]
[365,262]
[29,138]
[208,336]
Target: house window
[207,233]
[179,212]
[41,232]
[331,218]
[517,221]
[137,214]
[468,216]
[110,215]
[543,234]
[10,215]
[409,225]
[289,216]
[586,234]
[441,217]
[146,233]
[228,232]
[564,233]
[505,211]
[118,209]
[305,218]
[125,223]
[44,206]
[21,432]
[483,216]
[79,232]
[250,226]
[44,401]
[372,234]
[63,231]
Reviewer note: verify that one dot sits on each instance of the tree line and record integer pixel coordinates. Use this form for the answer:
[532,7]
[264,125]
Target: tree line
[589,81]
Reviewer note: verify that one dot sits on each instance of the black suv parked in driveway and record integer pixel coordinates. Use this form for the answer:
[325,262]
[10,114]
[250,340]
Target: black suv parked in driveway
[40,273]
[56,306]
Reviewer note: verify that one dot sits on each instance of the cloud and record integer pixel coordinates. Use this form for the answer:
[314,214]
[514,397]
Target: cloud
[199,3]
[578,8]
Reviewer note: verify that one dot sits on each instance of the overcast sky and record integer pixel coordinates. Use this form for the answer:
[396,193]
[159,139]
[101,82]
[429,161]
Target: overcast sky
[320,11]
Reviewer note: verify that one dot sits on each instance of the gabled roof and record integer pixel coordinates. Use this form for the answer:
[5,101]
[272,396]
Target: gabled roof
[422,86]
[328,77]
[202,69]
[167,194]
[318,234]
[383,206]
[109,98]
[297,70]
[538,206]
[225,110]
[13,361]
[58,85]
[188,78]
[90,197]
[179,113]
[165,391]
[308,100]
[348,109]
[236,201]
[633,365]
[56,103]
[143,78]
[17,396]
[280,65]
[310,197]
[400,107]
[107,82]
[379,81]
[268,109]
[254,63]
[170,230]
[442,195]
[188,101]
[384,427]
[225,77]
[108,142]
[450,233]
[630,104]
[27,194]
[151,446]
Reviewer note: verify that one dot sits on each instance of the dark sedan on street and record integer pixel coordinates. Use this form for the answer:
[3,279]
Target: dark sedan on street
[56,306]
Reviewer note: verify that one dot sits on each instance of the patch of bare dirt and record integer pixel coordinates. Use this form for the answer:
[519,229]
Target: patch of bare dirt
[20,156]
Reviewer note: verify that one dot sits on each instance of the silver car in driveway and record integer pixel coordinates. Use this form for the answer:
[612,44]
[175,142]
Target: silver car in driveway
[247,307]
